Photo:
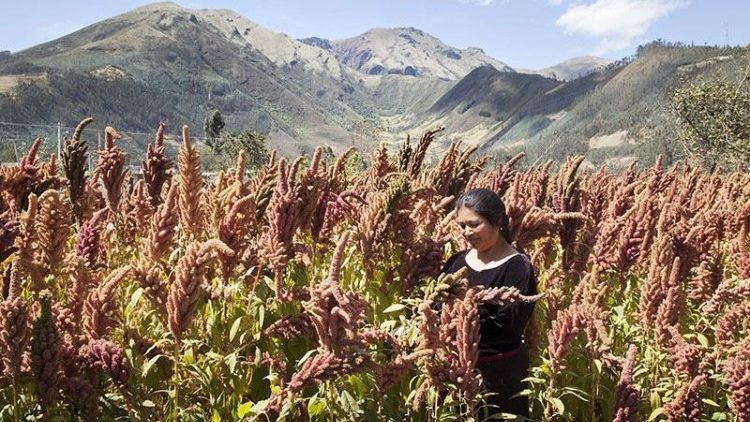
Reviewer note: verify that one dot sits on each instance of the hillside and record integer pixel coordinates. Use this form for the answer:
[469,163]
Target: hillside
[614,115]
[410,52]
[175,64]
[163,62]
[574,68]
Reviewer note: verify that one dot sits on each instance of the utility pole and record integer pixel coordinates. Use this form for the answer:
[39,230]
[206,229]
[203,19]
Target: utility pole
[727,35]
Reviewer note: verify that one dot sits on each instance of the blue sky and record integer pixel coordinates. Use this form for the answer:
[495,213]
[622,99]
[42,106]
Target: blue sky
[523,33]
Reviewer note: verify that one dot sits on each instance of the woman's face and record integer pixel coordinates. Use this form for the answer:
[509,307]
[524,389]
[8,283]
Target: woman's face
[480,234]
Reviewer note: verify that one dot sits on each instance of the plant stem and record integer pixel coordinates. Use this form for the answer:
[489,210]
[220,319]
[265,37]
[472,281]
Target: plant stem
[15,399]
[176,379]
[549,411]
[593,393]
[655,364]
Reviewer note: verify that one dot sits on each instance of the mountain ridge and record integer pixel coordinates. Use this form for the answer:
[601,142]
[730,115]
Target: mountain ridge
[162,62]
[410,51]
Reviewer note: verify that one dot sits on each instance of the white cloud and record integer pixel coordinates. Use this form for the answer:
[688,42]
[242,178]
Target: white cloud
[616,22]
[479,2]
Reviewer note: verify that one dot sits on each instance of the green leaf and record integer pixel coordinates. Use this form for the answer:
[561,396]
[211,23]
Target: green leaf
[215,416]
[269,282]
[315,406]
[718,416]
[134,300]
[149,364]
[244,408]
[231,361]
[359,386]
[525,393]
[655,400]
[545,369]
[702,340]
[656,413]
[639,372]
[349,404]
[648,354]
[258,356]
[598,365]
[210,317]
[558,405]
[580,395]
[234,329]
[388,325]
[305,357]
[394,308]
[261,316]
[710,402]
[188,356]
[619,311]
[214,356]
[570,388]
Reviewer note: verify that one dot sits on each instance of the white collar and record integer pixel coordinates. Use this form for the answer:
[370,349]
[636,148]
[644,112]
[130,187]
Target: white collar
[488,266]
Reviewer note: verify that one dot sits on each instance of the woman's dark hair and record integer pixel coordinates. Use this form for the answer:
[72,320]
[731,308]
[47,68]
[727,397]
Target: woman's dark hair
[489,205]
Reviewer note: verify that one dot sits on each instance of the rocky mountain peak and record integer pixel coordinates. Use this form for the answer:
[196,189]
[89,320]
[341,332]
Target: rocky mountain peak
[574,68]
[412,52]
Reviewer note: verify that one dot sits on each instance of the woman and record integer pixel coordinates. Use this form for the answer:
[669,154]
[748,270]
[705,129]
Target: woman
[493,262]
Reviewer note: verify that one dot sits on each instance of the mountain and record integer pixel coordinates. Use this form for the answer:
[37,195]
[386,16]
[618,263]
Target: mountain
[163,62]
[411,52]
[613,116]
[574,68]
[487,104]
[318,42]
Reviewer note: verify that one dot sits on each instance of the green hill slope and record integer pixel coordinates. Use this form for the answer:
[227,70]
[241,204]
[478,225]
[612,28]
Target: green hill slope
[165,63]
[162,62]
[612,116]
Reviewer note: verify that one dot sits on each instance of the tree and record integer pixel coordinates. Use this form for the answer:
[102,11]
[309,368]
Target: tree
[714,119]
[212,126]
[254,145]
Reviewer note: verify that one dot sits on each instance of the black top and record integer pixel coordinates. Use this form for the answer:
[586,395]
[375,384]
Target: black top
[501,327]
